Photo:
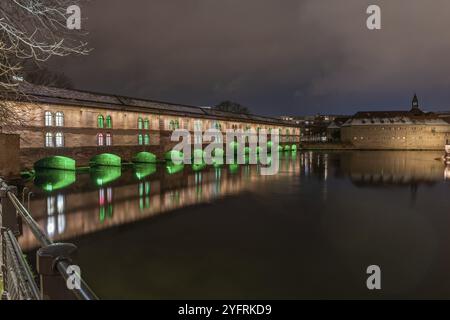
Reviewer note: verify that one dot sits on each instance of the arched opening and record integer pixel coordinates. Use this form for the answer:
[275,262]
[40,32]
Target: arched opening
[100,121]
[55,162]
[100,139]
[106,159]
[59,119]
[59,140]
[48,119]
[49,140]
[109,124]
[109,139]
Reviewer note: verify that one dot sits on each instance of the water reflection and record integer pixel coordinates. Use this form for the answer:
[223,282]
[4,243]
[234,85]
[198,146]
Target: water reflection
[143,171]
[56,219]
[102,175]
[109,196]
[52,179]
[106,207]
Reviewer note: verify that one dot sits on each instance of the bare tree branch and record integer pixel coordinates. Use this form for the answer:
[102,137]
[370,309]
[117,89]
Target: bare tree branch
[32,31]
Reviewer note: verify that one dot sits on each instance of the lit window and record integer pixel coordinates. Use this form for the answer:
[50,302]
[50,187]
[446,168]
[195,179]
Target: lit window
[108,139]
[59,140]
[173,124]
[108,122]
[48,119]
[146,139]
[140,123]
[100,140]
[100,121]
[140,139]
[59,119]
[146,124]
[198,125]
[49,139]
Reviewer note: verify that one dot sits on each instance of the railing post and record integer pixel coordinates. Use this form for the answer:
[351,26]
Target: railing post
[9,217]
[53,286]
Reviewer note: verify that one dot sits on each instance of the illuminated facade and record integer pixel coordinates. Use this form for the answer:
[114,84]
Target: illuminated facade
[406,130]
[81,125]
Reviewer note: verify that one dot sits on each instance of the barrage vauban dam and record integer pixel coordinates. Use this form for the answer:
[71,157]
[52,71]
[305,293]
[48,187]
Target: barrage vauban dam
[62,129]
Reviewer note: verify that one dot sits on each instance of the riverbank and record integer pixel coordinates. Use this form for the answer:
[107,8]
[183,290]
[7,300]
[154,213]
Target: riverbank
[326,146]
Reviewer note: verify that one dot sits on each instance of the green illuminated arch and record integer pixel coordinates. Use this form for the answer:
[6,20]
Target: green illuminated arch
[56,162]
[287,148]
[174,155]
[144,157]
[106,159]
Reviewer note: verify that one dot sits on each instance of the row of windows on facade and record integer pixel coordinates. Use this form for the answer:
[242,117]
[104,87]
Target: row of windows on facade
[57,119]
[57,139]
[54,140]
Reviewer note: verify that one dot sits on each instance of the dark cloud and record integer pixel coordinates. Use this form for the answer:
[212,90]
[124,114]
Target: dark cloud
[277,57]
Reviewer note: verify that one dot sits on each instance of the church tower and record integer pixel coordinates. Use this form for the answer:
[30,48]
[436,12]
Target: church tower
[415,103]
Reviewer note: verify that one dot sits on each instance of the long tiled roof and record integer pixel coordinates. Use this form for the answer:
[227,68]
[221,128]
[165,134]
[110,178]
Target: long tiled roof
[367,118]
[53,95]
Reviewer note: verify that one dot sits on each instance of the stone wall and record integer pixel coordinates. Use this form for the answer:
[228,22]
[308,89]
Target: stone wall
[401,137]
[9,155]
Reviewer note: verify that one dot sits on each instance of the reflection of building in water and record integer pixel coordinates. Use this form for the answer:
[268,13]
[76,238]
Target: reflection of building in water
[56,220]
[447,173]
[144,195]
[393,167]
[314,164]
[106,208]
[91,210]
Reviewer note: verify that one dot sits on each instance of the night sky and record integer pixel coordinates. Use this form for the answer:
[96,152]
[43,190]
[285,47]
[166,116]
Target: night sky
[297,57]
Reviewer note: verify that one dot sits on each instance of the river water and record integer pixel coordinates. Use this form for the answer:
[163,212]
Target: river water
[311,231]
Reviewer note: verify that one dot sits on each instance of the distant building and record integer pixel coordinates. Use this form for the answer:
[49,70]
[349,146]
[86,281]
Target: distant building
[313,128]
[413,129]
[334,129]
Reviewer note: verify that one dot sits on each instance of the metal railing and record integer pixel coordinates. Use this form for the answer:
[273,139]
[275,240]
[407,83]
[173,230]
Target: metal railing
[18,281]
[53,260]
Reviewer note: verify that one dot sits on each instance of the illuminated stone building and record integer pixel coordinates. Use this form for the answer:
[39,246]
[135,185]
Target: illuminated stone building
[81,125]
[406,130]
